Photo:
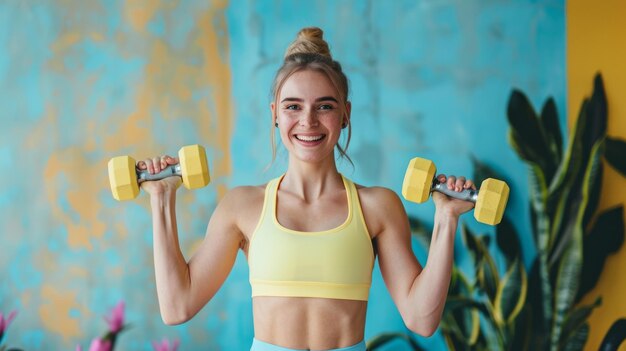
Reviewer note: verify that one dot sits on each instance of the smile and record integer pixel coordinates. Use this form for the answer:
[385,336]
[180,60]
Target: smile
[309,138]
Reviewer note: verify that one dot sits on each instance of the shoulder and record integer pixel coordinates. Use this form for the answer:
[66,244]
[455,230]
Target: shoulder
[243,205]
[377,195]
[380,206]
[243,196]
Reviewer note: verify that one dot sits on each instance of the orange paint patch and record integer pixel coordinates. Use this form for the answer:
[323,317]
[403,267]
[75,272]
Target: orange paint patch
[139,13]
[65,41]
[70,178]
[217,72]
[79,272]
[55,312]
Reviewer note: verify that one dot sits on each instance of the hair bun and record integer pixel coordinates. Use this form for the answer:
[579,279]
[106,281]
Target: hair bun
[310,40]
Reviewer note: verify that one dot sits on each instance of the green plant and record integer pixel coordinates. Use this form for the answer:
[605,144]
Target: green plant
[615,336]
[540,309]
[571,238]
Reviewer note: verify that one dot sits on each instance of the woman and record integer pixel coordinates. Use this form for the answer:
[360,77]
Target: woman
[310,236]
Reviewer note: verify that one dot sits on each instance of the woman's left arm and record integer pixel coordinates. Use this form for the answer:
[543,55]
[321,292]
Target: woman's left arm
[419,293]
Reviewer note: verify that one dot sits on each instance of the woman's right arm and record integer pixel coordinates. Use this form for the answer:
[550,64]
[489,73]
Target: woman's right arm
[183,288]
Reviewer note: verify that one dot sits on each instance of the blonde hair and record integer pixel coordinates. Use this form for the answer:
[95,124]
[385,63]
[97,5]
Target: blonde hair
[311,52]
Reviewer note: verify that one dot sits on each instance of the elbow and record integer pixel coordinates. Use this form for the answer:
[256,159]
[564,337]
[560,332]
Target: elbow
[425,327]
[173,320]
[426,332]
[175,316]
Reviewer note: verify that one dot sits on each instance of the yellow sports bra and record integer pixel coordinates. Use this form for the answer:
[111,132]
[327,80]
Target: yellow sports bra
[334,264]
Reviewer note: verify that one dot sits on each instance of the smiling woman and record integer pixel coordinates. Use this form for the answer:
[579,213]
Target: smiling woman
[311,236]
[310,53]
[309,115]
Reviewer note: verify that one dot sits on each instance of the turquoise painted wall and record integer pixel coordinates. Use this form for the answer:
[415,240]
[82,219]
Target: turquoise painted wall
[83,81]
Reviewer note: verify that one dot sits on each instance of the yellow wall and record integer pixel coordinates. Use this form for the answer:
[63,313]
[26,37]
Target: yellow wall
[596,41]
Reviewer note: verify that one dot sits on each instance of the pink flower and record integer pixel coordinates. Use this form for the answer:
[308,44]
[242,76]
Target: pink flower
[164,345]
[4,323]
[116,319]
[97,345]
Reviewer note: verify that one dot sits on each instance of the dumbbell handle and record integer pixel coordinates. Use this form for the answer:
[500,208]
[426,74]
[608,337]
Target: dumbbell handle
[169,171]
[466,194]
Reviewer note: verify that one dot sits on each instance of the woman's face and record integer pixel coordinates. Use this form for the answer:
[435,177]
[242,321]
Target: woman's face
[309,116]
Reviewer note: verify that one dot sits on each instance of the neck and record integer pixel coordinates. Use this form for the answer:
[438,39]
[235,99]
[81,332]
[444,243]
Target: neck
[311,180]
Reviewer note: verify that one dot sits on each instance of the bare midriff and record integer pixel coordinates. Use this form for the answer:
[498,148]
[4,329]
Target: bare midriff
[309,323]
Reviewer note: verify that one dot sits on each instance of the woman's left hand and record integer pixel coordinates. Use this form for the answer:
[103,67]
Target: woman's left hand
[447,205]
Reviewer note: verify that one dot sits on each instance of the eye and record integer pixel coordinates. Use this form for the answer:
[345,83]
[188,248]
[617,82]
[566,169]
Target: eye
[292,107]
[326,107]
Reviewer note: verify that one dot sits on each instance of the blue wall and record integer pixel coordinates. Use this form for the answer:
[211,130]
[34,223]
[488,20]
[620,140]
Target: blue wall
[81,82]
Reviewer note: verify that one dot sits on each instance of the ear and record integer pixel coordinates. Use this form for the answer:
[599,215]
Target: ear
[346,117]
[273,109]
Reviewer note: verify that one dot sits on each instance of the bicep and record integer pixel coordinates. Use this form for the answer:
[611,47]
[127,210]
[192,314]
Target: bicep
[398,264]
[211,264]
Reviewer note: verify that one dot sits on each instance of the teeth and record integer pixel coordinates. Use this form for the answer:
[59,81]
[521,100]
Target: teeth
[309,138]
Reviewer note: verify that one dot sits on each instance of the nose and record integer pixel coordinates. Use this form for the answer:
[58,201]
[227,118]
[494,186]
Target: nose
[309,118]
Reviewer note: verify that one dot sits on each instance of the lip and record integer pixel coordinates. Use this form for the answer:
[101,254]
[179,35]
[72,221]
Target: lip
[309,143]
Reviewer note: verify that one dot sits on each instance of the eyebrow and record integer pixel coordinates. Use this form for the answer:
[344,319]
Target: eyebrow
[323,98]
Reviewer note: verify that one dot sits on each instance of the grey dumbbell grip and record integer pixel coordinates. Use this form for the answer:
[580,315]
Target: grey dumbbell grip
[169,171]
[466,195]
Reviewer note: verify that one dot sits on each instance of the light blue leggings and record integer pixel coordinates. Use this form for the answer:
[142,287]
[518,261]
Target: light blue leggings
[263,346]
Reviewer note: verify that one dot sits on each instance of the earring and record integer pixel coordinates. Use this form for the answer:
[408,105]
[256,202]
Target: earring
[276,124]
[344,125]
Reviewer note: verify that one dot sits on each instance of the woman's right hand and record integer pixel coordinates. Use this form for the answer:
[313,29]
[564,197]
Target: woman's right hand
[155,165]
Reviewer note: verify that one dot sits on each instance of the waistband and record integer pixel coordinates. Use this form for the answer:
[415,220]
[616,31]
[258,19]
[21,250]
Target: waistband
[258,345]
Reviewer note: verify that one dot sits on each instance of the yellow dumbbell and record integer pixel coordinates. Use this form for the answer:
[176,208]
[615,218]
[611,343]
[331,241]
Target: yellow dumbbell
[124,177]
[490,199]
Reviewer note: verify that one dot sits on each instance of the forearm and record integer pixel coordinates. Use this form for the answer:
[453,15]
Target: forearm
[430,288]
[171,269]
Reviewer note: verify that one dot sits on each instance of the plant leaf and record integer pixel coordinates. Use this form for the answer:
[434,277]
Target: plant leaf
[571,164]
[418,229]
[508,240]
[594,197]
[577,202]
[522,331]
[538,197]
[487,278]
[576,319]
[382,339]
[460,319]
[470,241]
[526,133]
[606,237]
[615,154]
[557,202]
[550,124]
[539,300]
[568,278]
[511,294]
[578,339]
[461,327]
[615,336]
[596,116]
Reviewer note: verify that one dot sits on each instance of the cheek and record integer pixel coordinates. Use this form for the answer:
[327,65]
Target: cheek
[331,120]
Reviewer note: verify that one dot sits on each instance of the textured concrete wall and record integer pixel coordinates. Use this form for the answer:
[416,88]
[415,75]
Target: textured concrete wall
[83,81]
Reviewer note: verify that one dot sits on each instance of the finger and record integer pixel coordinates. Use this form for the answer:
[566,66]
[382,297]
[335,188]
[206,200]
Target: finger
[441,178]
[458,185]
[171,160]
[141,165]
[451,181]
[469,184]
[149,165]
[156,162]
[163,161]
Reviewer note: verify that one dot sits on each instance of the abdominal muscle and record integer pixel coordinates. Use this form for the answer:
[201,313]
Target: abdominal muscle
[308,323]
